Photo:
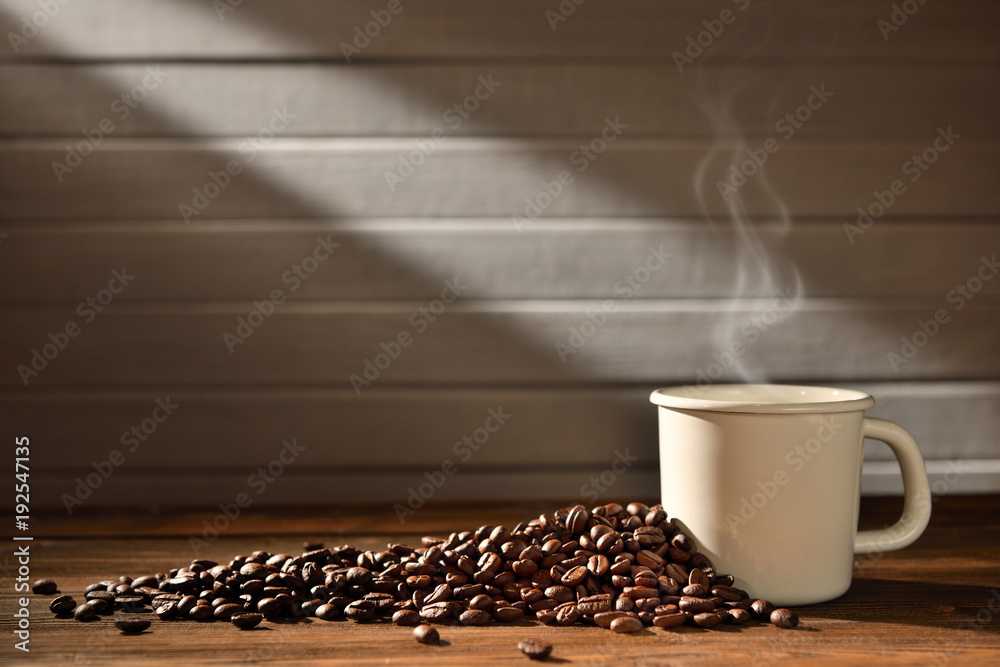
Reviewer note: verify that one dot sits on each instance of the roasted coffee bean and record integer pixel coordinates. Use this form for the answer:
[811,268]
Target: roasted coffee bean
[738,616]
[63,604]
[598,565]
[707,619]
[130,603]
[101,606]
[247,620]
[426,634]
[84,612]
[224,612]
[474,617]
[575,576]
[671,620]
[625,624]
[202,612]
[168,610]
[131,626]
[726,593]
[568,615]
[695,605]
[594,604]
[437,612]
[535,649]
[406,618]
[44,587]
[359,610]
[508,614]
[328,612]
[695,590]
[761,610]
[784,618]
[100,595]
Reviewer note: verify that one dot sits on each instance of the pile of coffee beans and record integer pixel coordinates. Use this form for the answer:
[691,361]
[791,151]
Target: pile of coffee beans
[613,566]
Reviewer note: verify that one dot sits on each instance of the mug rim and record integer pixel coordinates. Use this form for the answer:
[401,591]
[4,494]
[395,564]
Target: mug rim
[761,398]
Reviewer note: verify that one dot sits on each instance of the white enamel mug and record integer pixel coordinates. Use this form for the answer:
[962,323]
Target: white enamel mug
[767,480]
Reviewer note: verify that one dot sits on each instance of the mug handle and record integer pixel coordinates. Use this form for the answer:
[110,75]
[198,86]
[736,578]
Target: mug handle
[916,491]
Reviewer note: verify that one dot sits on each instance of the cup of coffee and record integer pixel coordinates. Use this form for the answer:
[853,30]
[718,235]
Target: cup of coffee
[767,480]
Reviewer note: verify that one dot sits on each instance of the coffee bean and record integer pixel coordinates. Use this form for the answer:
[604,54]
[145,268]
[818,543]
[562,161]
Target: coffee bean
[603,619]
[406,618]
[575,576]
[101,606]
[132,626]
[202,612]
[44,587]
[426,634]
[246,620]
[474,617]
[359,610]
[695,590]
[535,649]
[761,610]
[695,605]
[707,619]
[84,612]
[671,620]
[784,618]
[223,612]
[739,616]
[63,604]
[508,614]
[626,624]
[594,604]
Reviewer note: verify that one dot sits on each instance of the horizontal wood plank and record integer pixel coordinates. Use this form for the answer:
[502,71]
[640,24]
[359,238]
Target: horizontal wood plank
[501,342]
[509,28]
[125,178]
[406,430]
[521,100]
[408,259]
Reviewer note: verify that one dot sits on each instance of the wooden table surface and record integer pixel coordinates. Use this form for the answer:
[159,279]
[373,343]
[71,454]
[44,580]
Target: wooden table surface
[934,603]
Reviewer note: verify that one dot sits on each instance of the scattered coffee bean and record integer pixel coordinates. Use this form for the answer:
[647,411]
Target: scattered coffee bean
[406,618]
[132,626]
[784,618]
[247,620]
[63,604]
[85,612]
[707,619]
[45,587]
[761,610]
[426,634]
[625,624]
[535,649]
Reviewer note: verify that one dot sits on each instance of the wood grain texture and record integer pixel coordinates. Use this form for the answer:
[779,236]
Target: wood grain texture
[409,259]
[417,428]
[237,99]
[919,605]
[313,178]
[504,342]
[451,29]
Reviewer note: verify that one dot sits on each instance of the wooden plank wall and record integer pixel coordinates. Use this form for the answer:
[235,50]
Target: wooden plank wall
[119,119]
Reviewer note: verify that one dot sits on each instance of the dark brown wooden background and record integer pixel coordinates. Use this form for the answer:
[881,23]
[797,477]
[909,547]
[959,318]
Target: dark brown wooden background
[324,175]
